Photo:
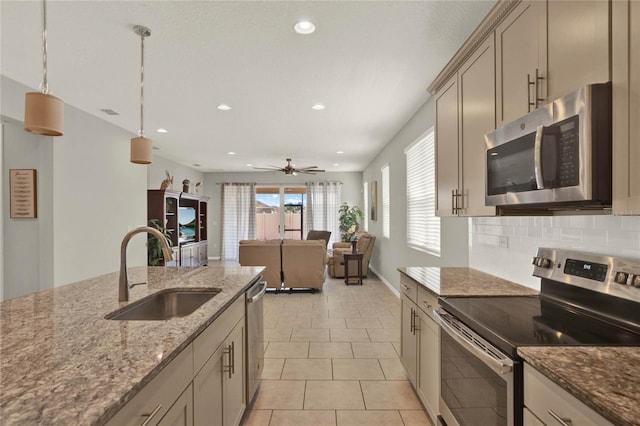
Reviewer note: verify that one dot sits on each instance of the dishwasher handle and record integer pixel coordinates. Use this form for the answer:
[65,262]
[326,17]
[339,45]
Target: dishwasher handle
[261,293]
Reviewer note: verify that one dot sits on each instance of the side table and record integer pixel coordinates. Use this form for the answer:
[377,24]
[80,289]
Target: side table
[347,258]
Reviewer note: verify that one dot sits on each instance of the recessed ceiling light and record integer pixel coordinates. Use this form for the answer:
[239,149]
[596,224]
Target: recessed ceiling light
[339,152]
[224,107]
[304,27]
[161,130]
[336,164]
[318,107]
[248,164]
[231,153]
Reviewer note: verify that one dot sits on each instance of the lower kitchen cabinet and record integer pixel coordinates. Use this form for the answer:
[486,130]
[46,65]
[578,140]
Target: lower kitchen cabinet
[181,413]
[548,404]
[409,338]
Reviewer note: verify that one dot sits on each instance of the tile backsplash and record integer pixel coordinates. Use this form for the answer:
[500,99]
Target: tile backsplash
[504,246]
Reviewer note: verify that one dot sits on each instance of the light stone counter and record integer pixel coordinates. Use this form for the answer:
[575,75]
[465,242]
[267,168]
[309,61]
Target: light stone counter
[459,282]
[62,363]
[604,378]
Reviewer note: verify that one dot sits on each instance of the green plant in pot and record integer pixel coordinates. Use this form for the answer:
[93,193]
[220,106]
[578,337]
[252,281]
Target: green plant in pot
[349,218]
[154,247]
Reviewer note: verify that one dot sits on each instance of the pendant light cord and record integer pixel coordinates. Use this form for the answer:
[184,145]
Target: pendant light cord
[141,132]
[44,86]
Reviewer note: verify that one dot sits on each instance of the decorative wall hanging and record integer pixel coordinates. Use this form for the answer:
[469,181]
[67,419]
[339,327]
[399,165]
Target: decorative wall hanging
[373,200]
[23,193]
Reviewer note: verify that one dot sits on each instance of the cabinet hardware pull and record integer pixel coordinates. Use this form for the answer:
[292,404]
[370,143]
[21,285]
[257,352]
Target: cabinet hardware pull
[150,416]
[232,358]
[453,197]
[415,323]
[529,84]
[227,368]
[538,79]
[404,287]
[411,321]
[564,421]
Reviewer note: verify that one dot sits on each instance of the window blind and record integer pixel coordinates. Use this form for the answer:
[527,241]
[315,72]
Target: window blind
[423,227]
[386,222]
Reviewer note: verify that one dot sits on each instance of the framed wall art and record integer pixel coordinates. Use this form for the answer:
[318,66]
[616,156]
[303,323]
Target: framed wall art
[23,193]
[373,200]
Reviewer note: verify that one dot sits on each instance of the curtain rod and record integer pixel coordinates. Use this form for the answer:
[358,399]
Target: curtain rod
[278,184]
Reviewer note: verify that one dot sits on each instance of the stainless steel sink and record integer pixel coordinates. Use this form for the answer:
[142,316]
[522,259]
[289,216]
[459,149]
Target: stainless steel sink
[164,305]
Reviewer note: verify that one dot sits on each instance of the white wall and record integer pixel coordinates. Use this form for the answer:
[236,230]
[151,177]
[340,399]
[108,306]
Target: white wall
[610,235]
[98,195]
[391,253]
[351,193]
[156,174]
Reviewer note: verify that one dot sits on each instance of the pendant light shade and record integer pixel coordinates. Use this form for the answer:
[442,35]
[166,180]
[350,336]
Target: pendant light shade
[43,112]
[141,147]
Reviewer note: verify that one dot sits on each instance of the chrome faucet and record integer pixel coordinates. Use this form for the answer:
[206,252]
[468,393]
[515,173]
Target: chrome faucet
[124,285]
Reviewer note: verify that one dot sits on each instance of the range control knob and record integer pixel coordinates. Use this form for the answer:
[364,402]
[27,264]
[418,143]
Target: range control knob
[546,263]
[621,277]
[535,260]
[635,280]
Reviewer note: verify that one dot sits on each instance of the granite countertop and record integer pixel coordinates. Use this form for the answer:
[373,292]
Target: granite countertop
[459,282]
[61,362]
[604,378]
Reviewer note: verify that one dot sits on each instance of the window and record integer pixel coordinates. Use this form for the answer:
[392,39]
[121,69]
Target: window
[365,192]
[385,202]
[423,227]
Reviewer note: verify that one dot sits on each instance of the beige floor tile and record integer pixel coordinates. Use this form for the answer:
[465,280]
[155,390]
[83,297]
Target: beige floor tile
[363,323]
[357,369]
[287,350]
[333,395]
[368,418]
[389,321]
[349,335]
[330,350]
[371,350]
[280,395]
[294,323]
[328,323]
[344,313]
[384,334]
[303,417]
[272,368]
[393,369]
[373,312]
[277,334]
[415,418]
[270,321]
[307,369]
[310,335]
[256,418]
[390,395]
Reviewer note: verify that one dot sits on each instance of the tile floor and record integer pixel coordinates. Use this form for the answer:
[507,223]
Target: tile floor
[332,358]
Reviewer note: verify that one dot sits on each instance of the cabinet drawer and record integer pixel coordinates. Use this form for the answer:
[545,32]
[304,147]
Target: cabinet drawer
[162,391]
[207,342]
[409,288]
[543,397]
[427,301]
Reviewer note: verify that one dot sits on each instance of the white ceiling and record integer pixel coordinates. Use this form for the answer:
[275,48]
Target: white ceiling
[369,63]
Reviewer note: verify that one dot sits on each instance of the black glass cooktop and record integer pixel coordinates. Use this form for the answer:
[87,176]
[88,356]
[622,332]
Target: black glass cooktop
[509,322]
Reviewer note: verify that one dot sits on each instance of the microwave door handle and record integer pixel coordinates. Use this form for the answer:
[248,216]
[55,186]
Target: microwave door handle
[537,156]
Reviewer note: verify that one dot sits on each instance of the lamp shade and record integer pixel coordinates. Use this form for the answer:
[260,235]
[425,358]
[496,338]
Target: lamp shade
[141,150]
[43,114]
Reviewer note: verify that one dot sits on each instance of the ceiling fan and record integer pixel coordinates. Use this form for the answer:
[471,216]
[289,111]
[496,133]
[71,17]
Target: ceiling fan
[291,169]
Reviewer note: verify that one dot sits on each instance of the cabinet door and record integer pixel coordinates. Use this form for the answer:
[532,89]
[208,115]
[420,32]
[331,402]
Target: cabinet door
[476,82]
[626,107]
[208,388]
[181,412]
[202,252]
[429,365]
[578,45]
[235,394]
[446,134]
[529,419]
[520,51]
[408,338]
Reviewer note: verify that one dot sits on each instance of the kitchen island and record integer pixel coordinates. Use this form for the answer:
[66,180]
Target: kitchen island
[61,362]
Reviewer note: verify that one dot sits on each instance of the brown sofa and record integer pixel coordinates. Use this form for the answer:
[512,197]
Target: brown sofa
[336,260]
[289,263]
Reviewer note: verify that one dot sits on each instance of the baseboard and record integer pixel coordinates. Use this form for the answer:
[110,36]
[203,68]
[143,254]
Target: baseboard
[214,258]
[387,283]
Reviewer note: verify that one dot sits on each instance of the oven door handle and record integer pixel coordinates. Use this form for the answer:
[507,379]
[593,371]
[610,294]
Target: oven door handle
[504,366]
[537,157]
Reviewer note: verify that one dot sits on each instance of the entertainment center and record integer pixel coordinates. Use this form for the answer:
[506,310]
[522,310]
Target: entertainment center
[184,217]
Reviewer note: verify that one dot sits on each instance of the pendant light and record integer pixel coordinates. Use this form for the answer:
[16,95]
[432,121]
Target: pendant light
[141,150]
[43,112]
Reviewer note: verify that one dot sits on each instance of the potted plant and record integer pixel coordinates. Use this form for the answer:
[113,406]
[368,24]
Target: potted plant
[349,217]
[154,247]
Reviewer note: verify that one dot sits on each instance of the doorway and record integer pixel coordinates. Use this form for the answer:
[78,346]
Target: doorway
[280,212]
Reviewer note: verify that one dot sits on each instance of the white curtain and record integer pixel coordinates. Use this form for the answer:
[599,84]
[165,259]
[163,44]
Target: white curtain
[238,216]
[323,202]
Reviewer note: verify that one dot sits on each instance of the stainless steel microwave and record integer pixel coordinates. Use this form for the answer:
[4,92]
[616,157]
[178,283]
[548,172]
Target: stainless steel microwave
[556,157]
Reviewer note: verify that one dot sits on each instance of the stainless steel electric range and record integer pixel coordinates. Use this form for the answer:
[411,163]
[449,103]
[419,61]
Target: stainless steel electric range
[585,300]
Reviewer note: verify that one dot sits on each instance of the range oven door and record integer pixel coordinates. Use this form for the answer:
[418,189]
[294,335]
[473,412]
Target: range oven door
[477,380]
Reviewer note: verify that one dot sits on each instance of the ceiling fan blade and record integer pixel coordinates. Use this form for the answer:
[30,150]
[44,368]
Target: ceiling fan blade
[275,169]
[307,168]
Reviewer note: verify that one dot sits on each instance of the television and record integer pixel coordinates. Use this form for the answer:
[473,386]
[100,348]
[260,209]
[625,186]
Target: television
[186,224]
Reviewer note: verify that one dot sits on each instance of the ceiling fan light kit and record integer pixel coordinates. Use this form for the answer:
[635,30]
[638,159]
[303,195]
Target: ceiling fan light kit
[141,147]
[43,112]
[291,169]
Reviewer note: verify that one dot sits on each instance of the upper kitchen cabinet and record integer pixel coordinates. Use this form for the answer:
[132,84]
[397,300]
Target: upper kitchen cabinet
[521,61]
[626,107]
[465,111]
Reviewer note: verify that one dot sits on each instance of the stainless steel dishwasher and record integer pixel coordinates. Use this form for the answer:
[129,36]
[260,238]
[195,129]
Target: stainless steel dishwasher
[255,336]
